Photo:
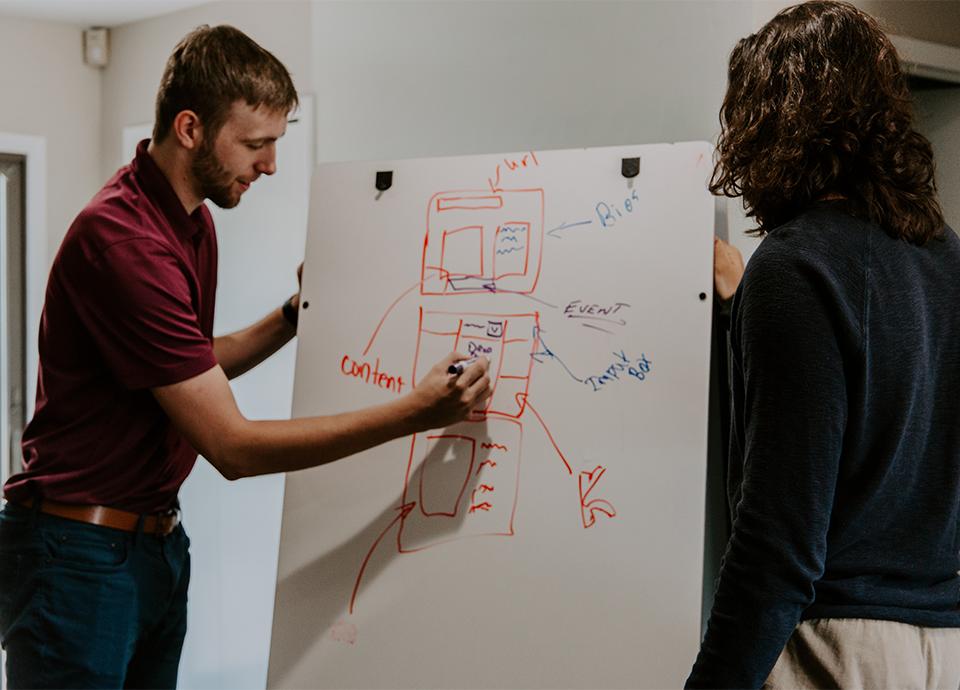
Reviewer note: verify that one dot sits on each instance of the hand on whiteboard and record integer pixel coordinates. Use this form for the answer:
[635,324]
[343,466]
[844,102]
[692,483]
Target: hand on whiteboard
[727,268]
[296,298]
[443,398]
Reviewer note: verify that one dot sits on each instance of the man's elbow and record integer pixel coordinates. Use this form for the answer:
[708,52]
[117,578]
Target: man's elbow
[233,461]
[231,472]
[228,467]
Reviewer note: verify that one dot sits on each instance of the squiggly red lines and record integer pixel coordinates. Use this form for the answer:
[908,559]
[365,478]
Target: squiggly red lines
[488,463]
[498,446]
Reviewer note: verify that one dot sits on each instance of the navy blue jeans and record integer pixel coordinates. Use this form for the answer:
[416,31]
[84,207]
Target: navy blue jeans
[83,606]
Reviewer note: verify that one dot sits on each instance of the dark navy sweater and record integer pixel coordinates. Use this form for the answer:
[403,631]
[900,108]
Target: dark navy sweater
[846,427]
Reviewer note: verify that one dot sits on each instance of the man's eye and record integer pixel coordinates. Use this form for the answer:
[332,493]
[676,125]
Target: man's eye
[254,147]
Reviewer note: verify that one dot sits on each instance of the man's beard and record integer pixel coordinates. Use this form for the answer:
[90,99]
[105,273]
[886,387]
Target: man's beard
[212,178]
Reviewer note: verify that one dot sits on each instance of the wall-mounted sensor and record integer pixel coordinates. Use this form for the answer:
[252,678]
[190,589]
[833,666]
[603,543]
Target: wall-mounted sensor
[96,46]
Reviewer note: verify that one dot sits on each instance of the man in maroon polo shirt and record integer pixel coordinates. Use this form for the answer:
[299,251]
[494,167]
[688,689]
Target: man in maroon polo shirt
[132,385]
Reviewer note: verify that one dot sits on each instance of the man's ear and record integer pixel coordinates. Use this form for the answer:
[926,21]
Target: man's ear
[187,129]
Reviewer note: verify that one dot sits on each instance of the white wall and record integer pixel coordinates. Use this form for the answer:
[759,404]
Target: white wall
[938,119]
[47,91]
[937,21]
[423,78]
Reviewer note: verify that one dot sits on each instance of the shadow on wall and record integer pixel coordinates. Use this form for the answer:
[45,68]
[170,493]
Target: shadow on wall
[318,599]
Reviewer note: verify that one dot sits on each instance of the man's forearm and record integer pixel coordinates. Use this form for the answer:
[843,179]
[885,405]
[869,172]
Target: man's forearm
[271,446]
[204,410]
[241,351]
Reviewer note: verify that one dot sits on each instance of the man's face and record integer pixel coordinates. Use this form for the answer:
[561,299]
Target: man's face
[244,148]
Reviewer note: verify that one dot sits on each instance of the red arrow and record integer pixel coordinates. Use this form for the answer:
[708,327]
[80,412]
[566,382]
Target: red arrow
[402,513]
[598,505]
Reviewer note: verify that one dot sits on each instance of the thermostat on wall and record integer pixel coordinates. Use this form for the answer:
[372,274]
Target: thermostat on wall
[96,46]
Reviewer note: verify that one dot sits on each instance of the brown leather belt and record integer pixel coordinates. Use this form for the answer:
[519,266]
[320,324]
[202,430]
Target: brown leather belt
[155,523]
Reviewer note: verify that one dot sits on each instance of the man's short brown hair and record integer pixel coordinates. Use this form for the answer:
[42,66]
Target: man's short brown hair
[210,69]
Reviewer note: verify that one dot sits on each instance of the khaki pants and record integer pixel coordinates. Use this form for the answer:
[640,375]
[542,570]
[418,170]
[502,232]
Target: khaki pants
[861,653]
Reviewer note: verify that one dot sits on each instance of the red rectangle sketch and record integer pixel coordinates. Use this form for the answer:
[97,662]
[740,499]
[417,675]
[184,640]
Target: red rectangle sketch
[461,252]
[461,482]
[505,242]
[445,473]
[507,340]
[468,202]
[511,247]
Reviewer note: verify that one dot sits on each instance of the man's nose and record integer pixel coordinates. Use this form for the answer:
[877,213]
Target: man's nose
[268,164]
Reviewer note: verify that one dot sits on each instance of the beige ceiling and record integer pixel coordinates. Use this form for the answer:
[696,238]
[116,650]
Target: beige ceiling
[87,13]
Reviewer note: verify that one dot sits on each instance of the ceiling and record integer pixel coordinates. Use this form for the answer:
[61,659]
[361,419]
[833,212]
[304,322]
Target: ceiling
[88,13]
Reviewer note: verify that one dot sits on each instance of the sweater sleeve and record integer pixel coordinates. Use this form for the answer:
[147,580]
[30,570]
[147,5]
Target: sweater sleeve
[788,338]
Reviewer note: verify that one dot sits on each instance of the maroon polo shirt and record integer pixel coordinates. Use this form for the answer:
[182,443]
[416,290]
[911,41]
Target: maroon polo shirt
[129,306]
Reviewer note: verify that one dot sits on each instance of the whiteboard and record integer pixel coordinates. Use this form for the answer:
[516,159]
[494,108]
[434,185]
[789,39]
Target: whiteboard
[555,540]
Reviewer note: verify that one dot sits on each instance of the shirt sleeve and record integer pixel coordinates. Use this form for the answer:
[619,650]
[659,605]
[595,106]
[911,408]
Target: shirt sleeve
[136,301]
[789,337]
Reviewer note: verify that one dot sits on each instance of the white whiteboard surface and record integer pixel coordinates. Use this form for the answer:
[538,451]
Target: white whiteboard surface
[556,541]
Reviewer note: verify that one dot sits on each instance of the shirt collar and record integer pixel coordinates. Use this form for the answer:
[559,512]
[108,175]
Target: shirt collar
[155,183]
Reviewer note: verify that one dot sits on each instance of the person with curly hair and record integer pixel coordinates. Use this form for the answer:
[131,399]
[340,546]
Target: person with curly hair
[842,567]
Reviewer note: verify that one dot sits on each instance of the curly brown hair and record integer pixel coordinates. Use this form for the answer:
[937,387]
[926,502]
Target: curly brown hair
[817,106]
